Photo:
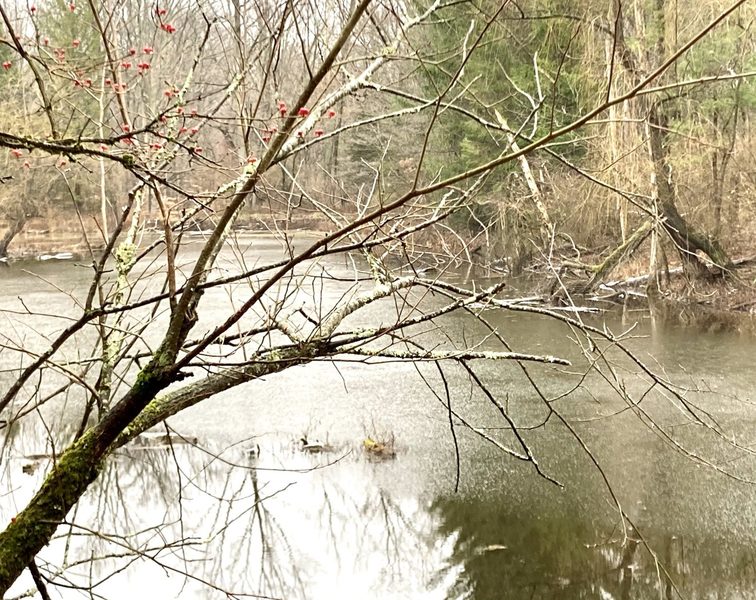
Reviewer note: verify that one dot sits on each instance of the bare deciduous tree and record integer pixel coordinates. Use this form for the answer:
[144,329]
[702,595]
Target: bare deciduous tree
[203,109]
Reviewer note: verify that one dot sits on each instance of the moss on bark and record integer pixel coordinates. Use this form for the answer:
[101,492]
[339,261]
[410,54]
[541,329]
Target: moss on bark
[32,528]
[616,257]
[77,468]
[79,465]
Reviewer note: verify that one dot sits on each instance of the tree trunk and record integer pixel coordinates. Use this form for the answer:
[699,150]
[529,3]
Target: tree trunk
[14,228]
[80,464]
[617,256]
[77,468]
[689,240]
[546,227]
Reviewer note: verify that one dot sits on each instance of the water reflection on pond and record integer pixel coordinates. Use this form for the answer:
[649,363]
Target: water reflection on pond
[291,524]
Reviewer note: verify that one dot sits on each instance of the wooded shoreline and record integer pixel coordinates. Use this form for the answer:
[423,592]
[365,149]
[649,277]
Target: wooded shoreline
[717,304]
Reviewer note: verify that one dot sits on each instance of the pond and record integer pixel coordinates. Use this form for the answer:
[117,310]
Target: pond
[229,504]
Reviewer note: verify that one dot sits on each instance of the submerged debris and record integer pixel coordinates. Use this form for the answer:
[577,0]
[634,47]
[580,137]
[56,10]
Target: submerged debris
[314,446]
[57,256]
[379,449]
[30,468]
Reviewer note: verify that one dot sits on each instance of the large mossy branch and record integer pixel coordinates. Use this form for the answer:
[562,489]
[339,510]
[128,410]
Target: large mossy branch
[33,527]
[621,253]
[171,403]
[78,467]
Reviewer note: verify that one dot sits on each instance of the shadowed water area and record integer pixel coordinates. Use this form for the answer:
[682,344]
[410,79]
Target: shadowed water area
[287,523]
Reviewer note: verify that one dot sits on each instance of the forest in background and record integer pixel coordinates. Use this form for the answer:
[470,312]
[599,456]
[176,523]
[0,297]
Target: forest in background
[586,141]
[676,161]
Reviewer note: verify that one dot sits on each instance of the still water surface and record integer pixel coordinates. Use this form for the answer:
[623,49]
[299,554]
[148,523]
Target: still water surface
[289,524]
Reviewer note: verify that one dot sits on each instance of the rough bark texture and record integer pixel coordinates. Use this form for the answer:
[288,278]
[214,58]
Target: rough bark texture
[75,470]
[33,527]
[80,464]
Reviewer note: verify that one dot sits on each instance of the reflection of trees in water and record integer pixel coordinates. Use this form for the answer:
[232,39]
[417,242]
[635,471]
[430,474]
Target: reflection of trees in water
[174,507]
[193,515]
[248,548]
[350,538]
[513,552]
[369,531]
[196,523]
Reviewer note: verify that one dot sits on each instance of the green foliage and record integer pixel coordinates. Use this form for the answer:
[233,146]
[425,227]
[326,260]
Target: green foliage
[712,107]
[528,70]
[500,73]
